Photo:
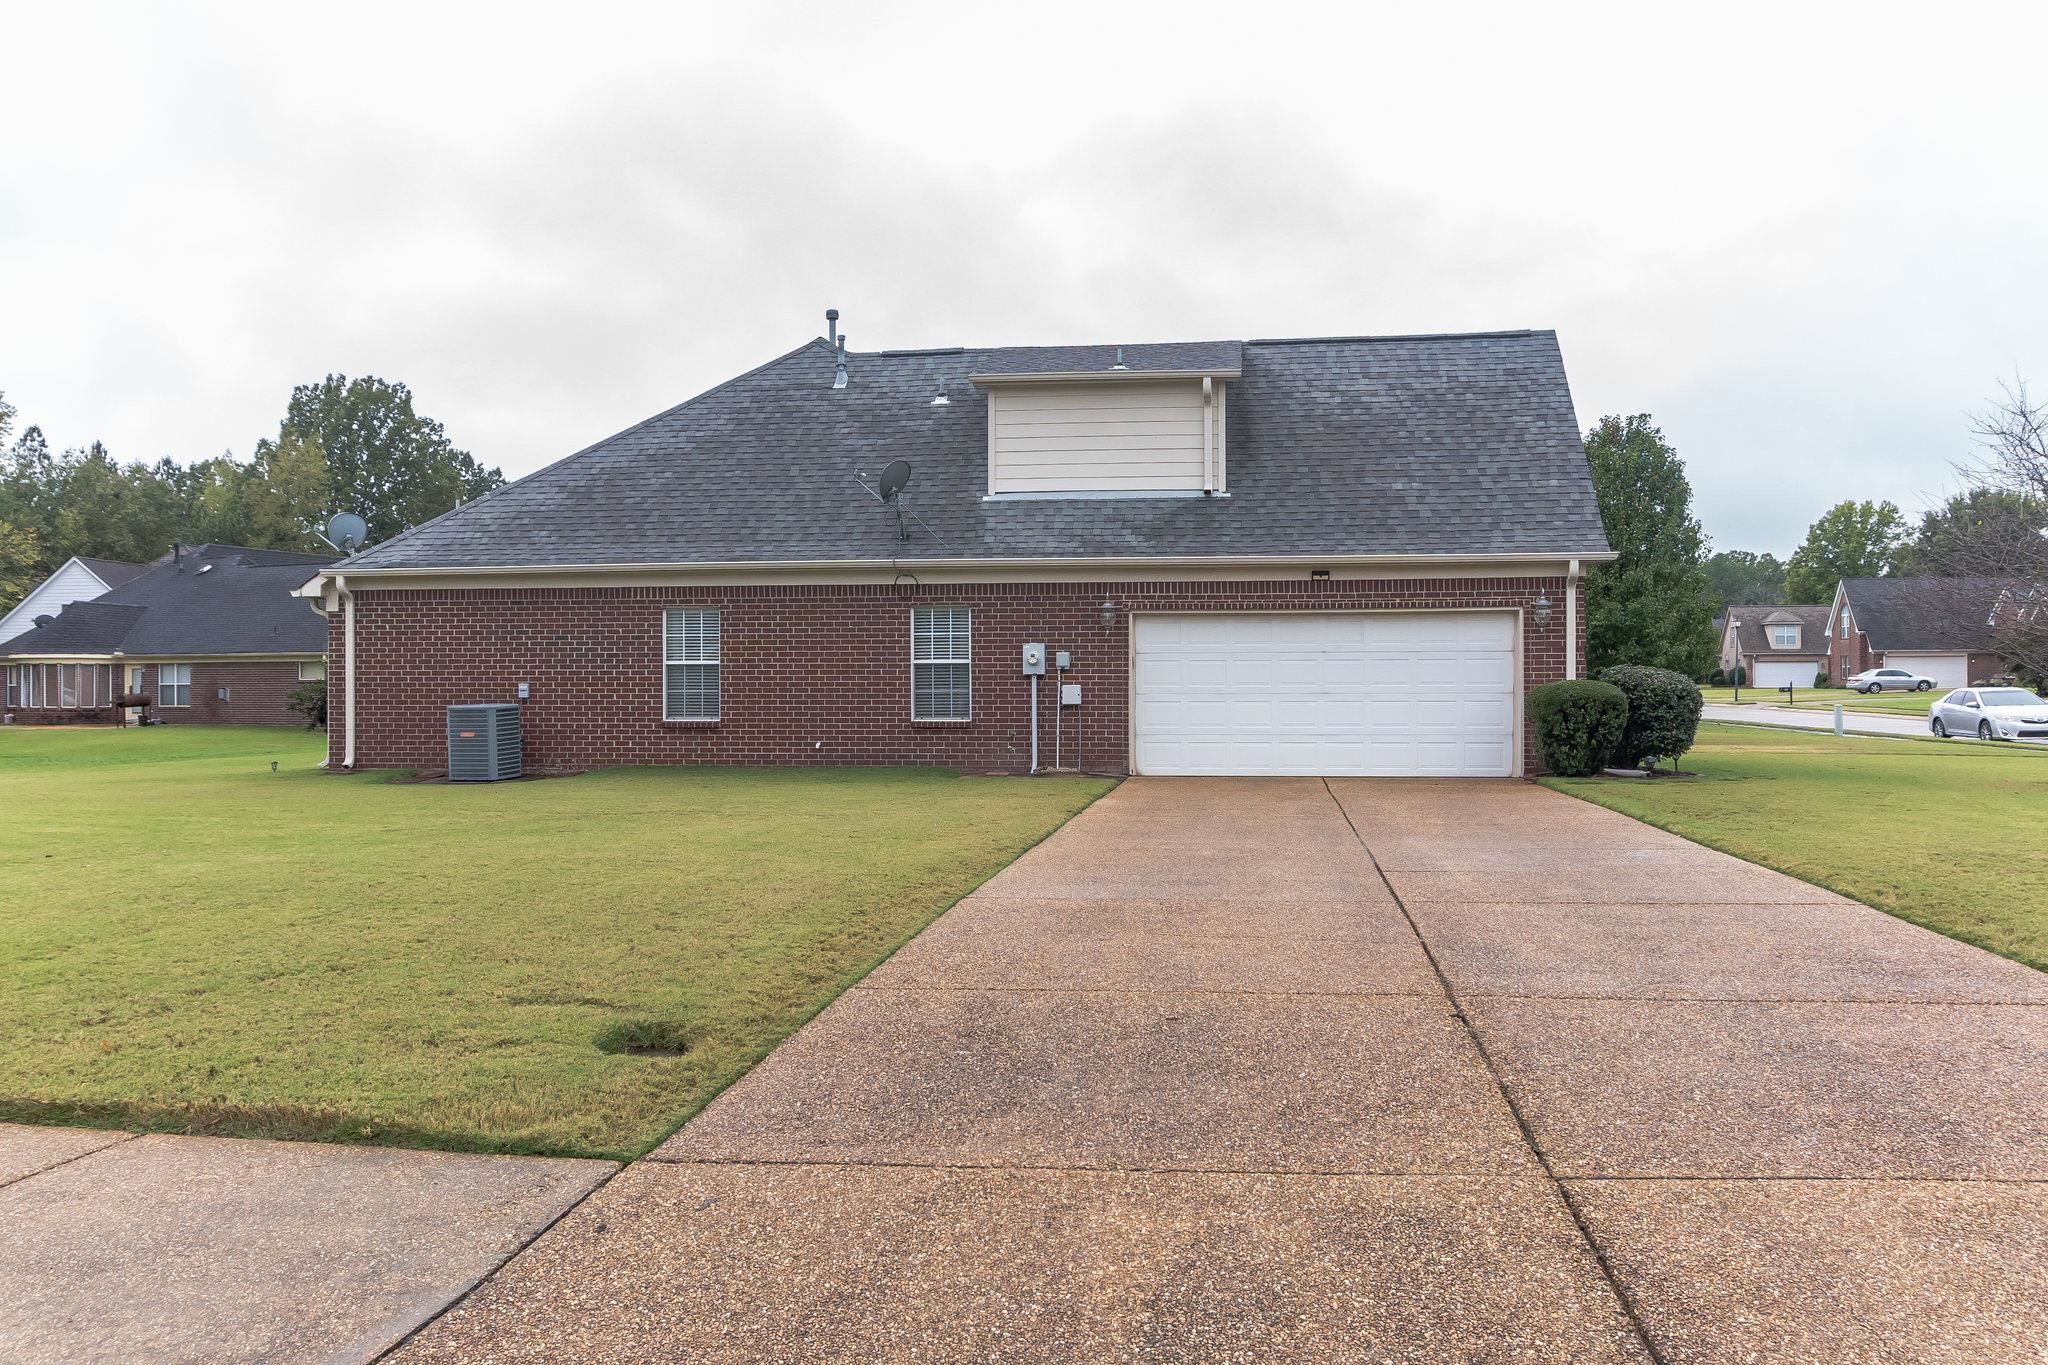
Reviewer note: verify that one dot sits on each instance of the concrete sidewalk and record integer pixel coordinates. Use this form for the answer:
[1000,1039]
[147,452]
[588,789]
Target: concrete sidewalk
[1356,1070]
[122,1248]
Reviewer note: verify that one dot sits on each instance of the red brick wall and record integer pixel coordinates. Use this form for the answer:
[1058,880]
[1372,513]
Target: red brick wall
[811,674]
[256,693]
[1847,658]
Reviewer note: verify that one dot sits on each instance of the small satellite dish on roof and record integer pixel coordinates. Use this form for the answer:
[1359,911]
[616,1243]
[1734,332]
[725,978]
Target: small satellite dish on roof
[894,476]
[346,532]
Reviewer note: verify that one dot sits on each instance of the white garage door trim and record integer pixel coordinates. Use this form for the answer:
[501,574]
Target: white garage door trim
[1947,670]
[1351,667]
[1775,673]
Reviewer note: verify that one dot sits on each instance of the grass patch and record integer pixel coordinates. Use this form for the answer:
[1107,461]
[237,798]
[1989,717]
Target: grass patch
[1945,835]
[194,942]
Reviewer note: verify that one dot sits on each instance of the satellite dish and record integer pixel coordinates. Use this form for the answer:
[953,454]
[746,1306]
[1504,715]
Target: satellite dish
[894,477]
[346,531]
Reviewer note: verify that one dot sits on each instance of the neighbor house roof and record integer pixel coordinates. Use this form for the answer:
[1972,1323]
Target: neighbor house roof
[1427,446]
[1753,635]
[209,601]
[1922,614]
[112,572]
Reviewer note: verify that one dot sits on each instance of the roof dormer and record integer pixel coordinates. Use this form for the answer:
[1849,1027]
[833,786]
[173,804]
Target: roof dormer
[1125,420]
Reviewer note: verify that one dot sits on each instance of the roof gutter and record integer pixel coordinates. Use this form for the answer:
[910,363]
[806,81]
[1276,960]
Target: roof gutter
[1109,565]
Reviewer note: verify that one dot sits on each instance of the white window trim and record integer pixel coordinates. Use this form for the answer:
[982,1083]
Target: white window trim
[967,659]
[715,662]
[1792,643]
[305,664]
[185,686]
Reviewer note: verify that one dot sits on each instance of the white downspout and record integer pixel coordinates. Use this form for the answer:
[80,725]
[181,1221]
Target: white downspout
[1571,620]
[348,654]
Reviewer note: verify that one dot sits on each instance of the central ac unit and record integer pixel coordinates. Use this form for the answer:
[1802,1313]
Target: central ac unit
[483,743]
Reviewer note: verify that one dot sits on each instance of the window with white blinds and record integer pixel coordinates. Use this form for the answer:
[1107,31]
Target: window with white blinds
[941,663]
[690,664]
[173,685]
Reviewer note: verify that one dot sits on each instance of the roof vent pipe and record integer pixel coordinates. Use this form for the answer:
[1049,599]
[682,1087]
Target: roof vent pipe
[839,370]
[832,326]
[1119,360]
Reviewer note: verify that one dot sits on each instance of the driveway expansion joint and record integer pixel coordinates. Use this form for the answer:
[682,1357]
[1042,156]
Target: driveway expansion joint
[62,1162]
[1608,1272]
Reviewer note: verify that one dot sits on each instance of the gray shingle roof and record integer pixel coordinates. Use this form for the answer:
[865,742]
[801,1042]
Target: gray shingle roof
[1442,445]
[1194,357]
[113,572]
[1753,637]
[212,601]
[1923,613]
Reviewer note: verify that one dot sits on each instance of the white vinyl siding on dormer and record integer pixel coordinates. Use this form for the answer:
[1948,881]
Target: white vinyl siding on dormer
[1137,436]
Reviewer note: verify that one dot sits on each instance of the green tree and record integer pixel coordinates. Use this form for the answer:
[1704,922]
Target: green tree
[1745,578]
[1653,605]
[289,492]
[21,564]
[385,462]
[1851,540]
[1973,531]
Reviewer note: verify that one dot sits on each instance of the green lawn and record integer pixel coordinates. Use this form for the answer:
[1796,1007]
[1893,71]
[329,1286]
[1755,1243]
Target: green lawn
[1945,835]
[195,942]
[1826,698]
[1883,703]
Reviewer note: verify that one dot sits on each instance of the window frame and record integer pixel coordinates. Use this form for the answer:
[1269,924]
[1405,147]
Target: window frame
[715,662]
[965,660]
[1791,634]
[182,688]
[320,664]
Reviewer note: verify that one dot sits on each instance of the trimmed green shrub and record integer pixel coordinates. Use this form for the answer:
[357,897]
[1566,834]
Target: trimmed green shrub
[1717,679]
[309,700]
[1576,724]
[1663,714]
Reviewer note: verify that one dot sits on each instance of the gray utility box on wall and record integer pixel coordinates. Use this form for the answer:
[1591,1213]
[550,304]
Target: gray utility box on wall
[483,743]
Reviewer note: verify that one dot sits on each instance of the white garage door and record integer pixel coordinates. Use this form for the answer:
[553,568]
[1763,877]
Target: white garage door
[1947,670]
[1325,693]
[1781,672]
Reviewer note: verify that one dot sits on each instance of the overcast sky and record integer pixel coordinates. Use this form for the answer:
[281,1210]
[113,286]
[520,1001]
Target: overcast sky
[1810,247]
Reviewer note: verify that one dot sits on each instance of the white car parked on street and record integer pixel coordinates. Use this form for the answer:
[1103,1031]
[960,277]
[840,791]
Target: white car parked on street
[1889,680]
[1989,713]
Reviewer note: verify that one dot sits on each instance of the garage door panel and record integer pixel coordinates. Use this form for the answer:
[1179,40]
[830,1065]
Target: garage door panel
[1315,692]
[1781,672]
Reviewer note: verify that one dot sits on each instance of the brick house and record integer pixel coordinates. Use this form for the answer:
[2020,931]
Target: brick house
[1775,646]
[1347,555]
[210,633]
[1940,628]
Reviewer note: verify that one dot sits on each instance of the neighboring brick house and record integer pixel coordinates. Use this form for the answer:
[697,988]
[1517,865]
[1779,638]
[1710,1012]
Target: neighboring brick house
[1348,555]
[1939,628]
[211,633]
[1776,646]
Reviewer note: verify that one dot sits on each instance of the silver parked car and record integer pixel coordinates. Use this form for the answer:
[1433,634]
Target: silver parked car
[1989,713]
[1889,680]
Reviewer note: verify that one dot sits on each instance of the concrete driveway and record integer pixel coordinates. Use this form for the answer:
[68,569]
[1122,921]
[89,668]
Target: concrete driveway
[1350,1070]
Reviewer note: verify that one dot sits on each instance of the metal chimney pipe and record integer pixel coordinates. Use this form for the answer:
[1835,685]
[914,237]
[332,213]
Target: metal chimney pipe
[832,325]
[839,371]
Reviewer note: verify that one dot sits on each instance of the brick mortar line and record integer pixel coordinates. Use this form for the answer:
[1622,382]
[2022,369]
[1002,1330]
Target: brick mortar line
[1621,1295]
